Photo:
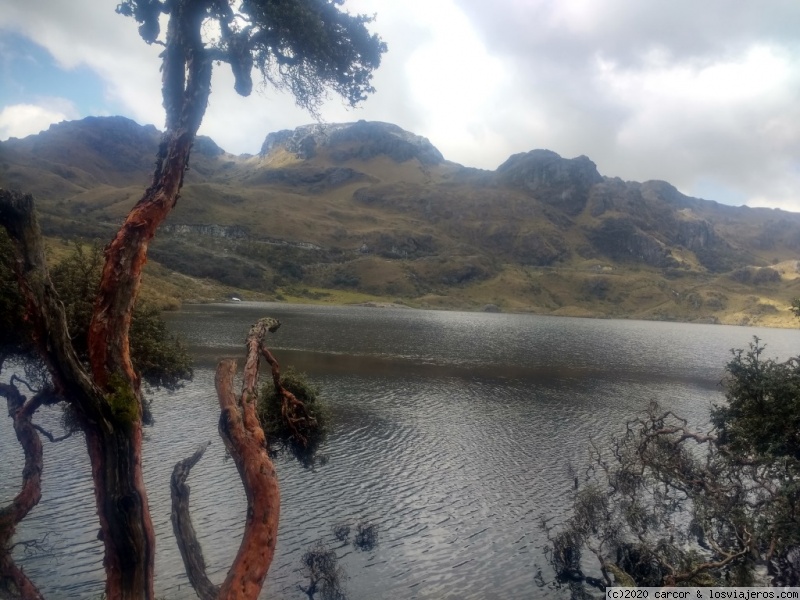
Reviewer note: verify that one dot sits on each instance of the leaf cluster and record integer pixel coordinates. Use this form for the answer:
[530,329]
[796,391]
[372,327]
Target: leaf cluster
[306,47]
[761,419]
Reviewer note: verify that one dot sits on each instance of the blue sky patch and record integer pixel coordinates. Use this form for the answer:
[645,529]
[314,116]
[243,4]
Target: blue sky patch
[29,73]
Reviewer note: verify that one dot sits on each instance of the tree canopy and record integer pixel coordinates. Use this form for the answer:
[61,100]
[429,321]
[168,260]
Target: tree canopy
[306,47]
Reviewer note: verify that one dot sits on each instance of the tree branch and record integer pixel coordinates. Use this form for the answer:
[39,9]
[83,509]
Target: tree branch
[11,576]
[189,546]
[45,309]
[241,431]
[51,437]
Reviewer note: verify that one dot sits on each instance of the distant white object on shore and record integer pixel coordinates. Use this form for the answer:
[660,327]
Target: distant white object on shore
[235,299]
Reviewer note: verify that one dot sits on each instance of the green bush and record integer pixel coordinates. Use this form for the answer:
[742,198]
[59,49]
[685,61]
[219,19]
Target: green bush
[761,420]
[668,505]
[160,358]
[313,426]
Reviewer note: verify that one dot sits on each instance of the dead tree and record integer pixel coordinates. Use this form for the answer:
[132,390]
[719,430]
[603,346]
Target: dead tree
[244,439]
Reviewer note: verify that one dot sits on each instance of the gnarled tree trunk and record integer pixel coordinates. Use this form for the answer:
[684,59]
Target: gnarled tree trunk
[244,438]
[108,401]
[116,453]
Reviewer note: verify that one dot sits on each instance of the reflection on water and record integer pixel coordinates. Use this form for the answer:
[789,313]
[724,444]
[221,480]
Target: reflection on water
[452,433]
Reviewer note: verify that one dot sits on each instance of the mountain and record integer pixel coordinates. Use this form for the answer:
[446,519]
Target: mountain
[368,207]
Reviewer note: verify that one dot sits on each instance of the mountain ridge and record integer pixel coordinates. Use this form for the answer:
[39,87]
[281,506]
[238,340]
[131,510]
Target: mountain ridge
[367,206]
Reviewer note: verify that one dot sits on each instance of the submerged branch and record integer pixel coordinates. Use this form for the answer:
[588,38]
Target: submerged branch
[191,551]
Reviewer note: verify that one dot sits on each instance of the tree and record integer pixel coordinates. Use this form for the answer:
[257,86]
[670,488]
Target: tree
[159,356]
[671,506]
[304,46]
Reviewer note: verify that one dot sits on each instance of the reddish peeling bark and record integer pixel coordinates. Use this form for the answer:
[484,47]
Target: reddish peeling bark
[294,412]
[13,578]
[116,454]
[245,440]
[109,401]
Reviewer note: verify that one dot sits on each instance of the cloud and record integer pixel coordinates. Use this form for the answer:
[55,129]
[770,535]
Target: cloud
[20,120]
[89,33]
[693,93]
[682,91]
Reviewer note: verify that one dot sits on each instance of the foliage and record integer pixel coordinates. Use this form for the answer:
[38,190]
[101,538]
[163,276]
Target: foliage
[159,357]
[795,308]
[341,531]
[762,276]
[306,47]
[366,537]
[14,333]
[76,278]
[671,506]
[761,420]
[203,263]
[283,438]
[320,563]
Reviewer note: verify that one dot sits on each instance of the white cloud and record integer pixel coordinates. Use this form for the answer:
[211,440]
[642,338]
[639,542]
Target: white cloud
[89,33]
[683,91]
[20,120]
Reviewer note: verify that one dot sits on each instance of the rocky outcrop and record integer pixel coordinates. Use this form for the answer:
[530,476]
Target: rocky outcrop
[621,240]
[233,232]
[206,146]
[564,183]
[695,234]
[539,249]
[661,191]
[362,140]
[399,245]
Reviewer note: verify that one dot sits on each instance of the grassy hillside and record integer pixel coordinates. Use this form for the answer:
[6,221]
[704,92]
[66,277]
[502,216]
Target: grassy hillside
[368,213]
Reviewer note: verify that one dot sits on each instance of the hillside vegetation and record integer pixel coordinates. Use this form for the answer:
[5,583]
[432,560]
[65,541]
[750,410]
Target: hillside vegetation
[368,212]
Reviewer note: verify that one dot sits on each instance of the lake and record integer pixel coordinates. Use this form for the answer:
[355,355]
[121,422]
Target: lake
[452,433]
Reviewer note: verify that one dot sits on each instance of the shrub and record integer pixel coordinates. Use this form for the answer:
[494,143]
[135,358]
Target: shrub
[303,436]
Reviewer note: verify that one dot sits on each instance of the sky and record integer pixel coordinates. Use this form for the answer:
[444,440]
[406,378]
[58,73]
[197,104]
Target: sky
[702,94]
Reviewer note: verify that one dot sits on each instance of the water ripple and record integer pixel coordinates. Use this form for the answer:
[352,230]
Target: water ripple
[453,432]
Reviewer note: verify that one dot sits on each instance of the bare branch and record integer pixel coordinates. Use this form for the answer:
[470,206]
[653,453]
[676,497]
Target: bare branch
[11,576]
[241,431]
[189,546]
[53,438]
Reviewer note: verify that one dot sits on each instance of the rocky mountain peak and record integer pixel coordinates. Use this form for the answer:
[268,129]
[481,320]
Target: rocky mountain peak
[360,140]
[558,181]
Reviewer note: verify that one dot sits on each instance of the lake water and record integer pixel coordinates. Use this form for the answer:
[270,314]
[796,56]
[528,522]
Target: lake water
[452,432]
